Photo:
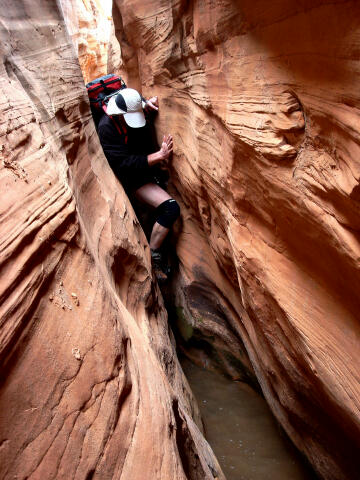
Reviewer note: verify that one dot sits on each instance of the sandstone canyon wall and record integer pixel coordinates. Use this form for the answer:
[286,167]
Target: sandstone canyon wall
[89,25]
[262,99]
[90,384]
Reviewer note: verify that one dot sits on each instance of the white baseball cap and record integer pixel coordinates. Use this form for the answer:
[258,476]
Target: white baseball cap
[127,102]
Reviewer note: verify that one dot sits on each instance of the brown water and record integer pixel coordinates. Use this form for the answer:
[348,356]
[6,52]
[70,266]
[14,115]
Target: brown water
[242,431]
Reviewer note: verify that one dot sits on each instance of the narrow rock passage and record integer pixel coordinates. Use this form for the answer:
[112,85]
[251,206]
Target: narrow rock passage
[89,375]
[263,104]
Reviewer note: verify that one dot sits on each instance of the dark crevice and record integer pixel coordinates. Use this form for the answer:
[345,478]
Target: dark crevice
[90,474]
[187,450]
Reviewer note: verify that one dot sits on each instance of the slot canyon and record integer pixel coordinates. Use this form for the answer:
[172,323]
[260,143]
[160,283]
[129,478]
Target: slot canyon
[262,102]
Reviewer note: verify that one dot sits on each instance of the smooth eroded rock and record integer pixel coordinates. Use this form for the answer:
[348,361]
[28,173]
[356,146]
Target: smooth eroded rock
[90,383]
[262,101]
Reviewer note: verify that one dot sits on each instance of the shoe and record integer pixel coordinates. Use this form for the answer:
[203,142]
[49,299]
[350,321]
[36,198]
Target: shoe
[157,265]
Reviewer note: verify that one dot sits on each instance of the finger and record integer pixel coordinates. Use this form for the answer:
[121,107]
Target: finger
[150,105]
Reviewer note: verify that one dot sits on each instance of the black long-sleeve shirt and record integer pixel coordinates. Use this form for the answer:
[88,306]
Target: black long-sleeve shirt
[128,159]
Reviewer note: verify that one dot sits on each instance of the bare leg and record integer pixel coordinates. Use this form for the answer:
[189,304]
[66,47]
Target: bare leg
[154,195]
[158,235]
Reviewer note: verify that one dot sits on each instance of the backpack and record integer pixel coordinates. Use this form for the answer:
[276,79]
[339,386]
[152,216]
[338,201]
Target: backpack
[100,90]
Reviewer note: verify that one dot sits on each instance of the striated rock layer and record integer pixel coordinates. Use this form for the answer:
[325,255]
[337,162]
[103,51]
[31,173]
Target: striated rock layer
[89,24]
[262,100]
[90,384]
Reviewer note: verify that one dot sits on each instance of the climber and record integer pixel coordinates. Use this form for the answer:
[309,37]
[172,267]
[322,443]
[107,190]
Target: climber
[128,146]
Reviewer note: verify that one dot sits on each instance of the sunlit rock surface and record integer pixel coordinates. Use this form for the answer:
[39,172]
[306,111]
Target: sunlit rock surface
[262,99]
[89,24]
[90,383]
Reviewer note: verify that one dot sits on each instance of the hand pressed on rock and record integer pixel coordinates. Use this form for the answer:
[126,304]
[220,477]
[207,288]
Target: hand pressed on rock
[166,147]
[164,152]
[152,104]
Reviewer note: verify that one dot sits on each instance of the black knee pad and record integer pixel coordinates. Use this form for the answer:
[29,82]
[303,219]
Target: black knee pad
[167,212]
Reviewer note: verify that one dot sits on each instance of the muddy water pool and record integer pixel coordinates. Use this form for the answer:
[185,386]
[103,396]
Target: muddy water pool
[241,430]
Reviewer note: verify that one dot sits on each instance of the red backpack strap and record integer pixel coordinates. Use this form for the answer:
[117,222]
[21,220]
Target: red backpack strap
[119,123]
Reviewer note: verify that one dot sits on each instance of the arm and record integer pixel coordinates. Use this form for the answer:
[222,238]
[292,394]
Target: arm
[119,157]
[152,106]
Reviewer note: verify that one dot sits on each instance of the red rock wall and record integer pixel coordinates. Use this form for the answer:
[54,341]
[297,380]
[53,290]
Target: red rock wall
[262,99]
[90,384]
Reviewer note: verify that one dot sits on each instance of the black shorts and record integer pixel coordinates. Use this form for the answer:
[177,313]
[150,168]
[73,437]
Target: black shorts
[132,184]
[155,175]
